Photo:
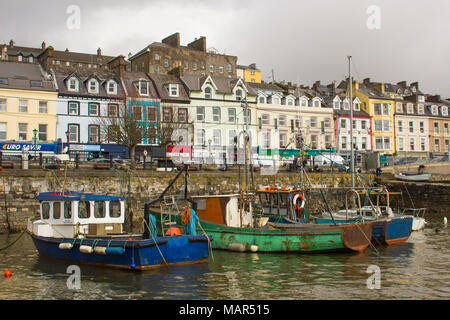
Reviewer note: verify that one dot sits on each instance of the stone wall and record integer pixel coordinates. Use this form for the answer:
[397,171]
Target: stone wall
[21,188]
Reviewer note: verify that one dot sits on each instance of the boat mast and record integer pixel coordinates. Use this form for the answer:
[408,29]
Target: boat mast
[350,84]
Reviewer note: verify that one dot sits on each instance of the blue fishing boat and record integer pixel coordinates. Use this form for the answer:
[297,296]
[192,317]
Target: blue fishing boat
[83,228]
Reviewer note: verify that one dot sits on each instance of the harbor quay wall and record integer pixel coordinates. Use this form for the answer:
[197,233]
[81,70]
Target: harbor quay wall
[20,188]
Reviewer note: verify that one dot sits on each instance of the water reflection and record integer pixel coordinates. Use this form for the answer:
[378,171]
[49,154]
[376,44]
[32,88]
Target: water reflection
[417,269]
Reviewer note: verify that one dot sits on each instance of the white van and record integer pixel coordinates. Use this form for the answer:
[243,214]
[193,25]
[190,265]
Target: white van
[326,160]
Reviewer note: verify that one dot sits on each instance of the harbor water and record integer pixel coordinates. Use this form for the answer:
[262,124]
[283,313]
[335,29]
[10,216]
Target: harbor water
[417,269]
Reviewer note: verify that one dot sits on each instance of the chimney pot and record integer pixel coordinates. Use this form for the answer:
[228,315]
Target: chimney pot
[11,43]
[99,51]
[43,45]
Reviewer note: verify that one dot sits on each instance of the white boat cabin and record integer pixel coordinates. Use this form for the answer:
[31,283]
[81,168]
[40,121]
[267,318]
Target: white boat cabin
[74,214]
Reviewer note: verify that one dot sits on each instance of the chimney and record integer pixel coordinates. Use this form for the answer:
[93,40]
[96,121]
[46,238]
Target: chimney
[46,58]
[252,66]
[118,65]
[198,44]
[366,81]
[172,40]
[99,52]
[67,50]
[402,84]
[43,45]
[415,85]
[316,85]
[11,43]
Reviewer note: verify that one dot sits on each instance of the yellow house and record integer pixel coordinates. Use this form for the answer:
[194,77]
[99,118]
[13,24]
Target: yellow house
[27,103]
[249,73]
[381,108]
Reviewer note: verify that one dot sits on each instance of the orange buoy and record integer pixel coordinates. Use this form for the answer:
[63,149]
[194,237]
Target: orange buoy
[173,231]
[8,273]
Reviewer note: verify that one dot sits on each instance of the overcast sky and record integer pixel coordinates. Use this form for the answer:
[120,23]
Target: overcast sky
[301,40]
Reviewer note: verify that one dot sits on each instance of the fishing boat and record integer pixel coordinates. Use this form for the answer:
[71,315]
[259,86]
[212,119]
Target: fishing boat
[413,177]
[388,228]
[234,225]
[84,228]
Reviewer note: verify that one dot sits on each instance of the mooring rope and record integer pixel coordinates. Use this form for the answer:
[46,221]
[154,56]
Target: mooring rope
[9,245]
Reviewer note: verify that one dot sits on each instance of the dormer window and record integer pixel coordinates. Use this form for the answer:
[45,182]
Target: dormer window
[420,109]
[346,105]
[93,86]
[208,93]
[303,102]
[112,87]
[142,87]
[289,102]
[73,84]
[239,94]
[410,108]
[444,111]
[434,110]
[173,90]
[421,98]
[399,107]
[356,106]
[262,99]
[275,100]
[336,105]
[316,103]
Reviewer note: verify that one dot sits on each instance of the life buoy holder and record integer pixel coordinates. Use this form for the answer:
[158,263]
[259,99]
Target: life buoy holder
[294,201]
[186,216]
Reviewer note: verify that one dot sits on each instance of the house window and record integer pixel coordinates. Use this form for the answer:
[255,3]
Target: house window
[344,143]
[437,145]
[446,128]
[167,114]
[143,88]
[410,108]
[383,143]
[401,144]
[316,104]
[282,120]
[265,120]
[23,105]
[412,144]
[74,130]
[313,122]
[248,117]
[113,110]
[336,105]
[232,115]
[216,114]
[2,130]
[328,141]
[201,114]
[182,115]
[112,87]
[173,90]
[423,144]
[200,139]
[239,94]
[444,111]
[276,100]
[364,143]
[356,106]
[217,137]
[230,68]
[399,125]
[208,93]
[23,128]
[262,99]
[343,123]
[399,107]
[93,86]
[363,124]
[434,110]
[354,126]
[94,133]
[151,114]
[266,139]
[422,127]
[314,141]
[211,68]
[137,113]
[420,109]
[346,105]
[283,140]
[166,63]
[290,102]
[220,69]
[2,105]
[43,107]
[411,126]
[19,58]
[94,110]
[74,109]
[232,137]
[73,84]
[42,132]
[157,57]
[436,127]
[194,66]
[386,109]
[447,145]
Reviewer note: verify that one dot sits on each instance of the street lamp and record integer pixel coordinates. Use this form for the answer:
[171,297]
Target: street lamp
[35,142]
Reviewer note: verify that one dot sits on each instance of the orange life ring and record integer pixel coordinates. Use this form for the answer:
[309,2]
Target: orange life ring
[186,216]
[294,201]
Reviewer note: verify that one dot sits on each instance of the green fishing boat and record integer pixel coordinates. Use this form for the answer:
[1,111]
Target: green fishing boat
[233,224]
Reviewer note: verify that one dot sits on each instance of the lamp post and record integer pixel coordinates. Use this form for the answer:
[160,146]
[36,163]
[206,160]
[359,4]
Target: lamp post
[35,142]
[67,136]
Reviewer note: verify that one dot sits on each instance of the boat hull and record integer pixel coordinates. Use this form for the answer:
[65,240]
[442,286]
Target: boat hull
[137,254]
[413,177]
[300,239]
[387,231]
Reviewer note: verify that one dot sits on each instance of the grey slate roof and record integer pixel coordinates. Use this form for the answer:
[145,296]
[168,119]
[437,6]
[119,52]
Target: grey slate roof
[26,76]
[161,84]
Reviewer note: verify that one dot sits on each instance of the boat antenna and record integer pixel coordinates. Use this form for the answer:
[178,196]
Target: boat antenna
[350,85]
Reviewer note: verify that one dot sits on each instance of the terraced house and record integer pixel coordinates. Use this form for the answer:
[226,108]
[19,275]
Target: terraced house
[28,108]
[438,122]
[221,109]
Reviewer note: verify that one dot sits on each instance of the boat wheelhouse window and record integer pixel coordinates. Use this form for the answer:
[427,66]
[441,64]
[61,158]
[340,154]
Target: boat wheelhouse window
[264,197]
[275,199]
[283,199]
[114,209]
[67,210]
[99,209]
[45,210]
[56,210]
[84,209]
